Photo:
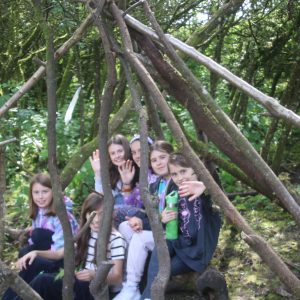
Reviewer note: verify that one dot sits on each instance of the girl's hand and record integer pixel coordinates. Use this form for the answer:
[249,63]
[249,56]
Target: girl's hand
[135,223]
[85,275]
[168,215]
[95,162]
[27,258]
[127,171]
[193,189]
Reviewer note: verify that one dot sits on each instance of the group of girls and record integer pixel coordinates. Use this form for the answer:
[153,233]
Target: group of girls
[198,225]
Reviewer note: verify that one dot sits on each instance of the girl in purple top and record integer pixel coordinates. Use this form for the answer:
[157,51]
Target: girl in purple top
[138,221]
[134,198]
[46,232]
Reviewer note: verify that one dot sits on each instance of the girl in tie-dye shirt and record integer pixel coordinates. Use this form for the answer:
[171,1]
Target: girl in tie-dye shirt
[46,233]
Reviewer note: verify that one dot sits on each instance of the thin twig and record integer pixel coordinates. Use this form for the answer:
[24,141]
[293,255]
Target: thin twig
[85,226]
[132,7]
[8,142]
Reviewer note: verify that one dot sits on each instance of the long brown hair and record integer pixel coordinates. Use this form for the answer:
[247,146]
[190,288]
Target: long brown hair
[121,140]
[44,180]
[92,203]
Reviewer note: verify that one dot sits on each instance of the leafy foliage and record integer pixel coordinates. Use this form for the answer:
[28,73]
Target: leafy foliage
[258,43]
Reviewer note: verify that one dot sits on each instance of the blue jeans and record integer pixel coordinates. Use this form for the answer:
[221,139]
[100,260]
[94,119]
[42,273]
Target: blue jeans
[177,267]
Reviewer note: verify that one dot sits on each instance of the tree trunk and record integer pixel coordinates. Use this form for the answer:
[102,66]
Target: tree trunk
[153,116]
[66,80]
[280,149]
[265,150]
[99,289]
[60,208]
[159,285]
[2,203]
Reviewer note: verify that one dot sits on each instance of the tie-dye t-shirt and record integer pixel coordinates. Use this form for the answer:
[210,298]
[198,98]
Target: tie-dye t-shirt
[53,224]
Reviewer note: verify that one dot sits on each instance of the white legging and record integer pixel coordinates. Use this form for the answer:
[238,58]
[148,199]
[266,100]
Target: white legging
[139,245]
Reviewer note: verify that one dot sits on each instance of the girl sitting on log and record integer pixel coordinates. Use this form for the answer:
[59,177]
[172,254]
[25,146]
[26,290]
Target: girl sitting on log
[198,224]
[46,233]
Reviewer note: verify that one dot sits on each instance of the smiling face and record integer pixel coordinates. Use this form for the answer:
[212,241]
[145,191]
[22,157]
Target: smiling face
[41,195]
[159,162]
[180,174]
[136,152]
[117,154]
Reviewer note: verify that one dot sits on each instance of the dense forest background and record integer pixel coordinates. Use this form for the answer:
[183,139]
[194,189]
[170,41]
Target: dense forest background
[256,40]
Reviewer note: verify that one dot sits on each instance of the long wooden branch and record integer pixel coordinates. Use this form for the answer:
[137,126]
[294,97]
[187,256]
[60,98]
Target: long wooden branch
[8,278]
[159,285]
[271,104]
[78,34]
[98,286]
[60,208]
[2,203]
[7,142]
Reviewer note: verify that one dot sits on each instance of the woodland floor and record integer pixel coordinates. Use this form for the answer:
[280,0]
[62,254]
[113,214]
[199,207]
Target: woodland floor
[246,275]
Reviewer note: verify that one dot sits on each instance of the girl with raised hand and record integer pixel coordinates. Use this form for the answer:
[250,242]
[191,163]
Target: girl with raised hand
[198,224]
[46,233]
[120,164]
[134,198]
[138,221]
[50,287]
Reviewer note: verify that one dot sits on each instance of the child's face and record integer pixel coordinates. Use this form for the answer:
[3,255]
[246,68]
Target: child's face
[41,195]
[116,153]
[136,152]
[94,225]
[180,174]
[159,162]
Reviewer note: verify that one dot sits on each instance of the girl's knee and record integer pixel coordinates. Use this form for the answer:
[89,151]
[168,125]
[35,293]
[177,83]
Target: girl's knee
[126,231]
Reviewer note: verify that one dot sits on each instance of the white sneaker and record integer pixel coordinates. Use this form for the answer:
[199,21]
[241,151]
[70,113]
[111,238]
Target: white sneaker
[129,293]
